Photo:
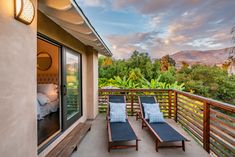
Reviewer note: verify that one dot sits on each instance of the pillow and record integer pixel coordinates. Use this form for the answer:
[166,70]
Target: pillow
[38,111]
[42,99]
[117,112]
[53,96]
[47,88]
[117,107]
[117,117]
[156,117]
[154,107]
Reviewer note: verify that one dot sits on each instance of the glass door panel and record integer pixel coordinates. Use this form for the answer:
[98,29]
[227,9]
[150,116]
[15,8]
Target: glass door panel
[72,87]
[48,73]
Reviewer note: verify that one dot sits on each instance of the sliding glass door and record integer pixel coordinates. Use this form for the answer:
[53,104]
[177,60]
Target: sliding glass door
[71,87]
[59,80]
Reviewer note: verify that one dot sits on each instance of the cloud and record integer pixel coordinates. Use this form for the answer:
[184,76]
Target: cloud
[123,45]
[169,26]
[153,6]
[92,3]
[119,24]
[205,42]
[155,21]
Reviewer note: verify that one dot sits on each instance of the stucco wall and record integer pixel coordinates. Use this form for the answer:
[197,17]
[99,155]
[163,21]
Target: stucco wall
[92,81]
[96,76]
[18,124]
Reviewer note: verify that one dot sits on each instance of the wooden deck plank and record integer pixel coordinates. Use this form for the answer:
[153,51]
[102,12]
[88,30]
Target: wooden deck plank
[66,147]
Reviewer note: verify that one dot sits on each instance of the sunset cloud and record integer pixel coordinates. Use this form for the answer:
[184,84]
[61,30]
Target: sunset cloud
[162,27]
[92,3]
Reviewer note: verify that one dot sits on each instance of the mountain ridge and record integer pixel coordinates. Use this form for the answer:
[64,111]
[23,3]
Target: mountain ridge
[207,57]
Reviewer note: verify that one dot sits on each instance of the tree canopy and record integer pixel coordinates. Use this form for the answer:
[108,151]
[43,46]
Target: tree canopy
[140,71]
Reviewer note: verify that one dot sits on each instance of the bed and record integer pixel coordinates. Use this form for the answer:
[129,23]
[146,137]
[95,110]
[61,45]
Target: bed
[47,100]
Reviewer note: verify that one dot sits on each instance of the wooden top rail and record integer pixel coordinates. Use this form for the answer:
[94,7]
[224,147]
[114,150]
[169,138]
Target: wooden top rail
[212,102]
[132,90]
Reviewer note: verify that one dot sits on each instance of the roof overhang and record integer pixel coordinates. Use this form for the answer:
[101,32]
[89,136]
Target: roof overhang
[68,15]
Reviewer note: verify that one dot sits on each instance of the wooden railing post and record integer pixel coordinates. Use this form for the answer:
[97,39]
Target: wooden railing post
[206,127]
[132,103]
[175,104]
[169,102]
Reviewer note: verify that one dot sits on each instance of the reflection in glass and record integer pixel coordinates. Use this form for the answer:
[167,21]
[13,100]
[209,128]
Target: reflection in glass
[72,83]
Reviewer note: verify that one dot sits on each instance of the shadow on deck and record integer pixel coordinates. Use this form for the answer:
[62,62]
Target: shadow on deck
[95,143]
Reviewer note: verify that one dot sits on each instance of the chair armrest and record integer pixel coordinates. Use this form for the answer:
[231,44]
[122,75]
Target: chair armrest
[107,117]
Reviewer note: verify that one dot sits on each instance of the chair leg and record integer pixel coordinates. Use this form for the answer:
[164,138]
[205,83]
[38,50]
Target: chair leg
[109,146]
[156,145]
[137,147]
[183,146]
[76,148]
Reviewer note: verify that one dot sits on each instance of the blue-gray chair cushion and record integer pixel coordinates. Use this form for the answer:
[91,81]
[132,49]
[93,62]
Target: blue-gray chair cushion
[166,132]
[117,98]
[122,132]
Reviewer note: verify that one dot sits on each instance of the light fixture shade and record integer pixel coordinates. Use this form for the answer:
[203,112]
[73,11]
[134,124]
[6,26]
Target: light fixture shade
[24,11]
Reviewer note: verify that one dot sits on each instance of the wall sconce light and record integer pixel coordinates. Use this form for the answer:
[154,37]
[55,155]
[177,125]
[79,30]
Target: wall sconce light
[24,11]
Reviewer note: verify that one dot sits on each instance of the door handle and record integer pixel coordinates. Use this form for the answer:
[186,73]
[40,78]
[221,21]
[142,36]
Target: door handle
[64,90]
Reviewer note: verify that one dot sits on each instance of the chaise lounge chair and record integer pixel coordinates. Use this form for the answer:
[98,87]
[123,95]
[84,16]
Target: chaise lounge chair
[119,132]
[162,131]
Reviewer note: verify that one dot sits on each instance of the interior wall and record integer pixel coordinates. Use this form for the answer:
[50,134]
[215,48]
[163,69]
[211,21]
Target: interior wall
[53,51]
[18,123]
[52,30]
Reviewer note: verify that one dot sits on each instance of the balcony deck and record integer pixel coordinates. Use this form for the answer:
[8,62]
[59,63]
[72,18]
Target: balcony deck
[95,143]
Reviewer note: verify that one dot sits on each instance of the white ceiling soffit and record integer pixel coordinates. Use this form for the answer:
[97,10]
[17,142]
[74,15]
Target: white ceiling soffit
[70,17]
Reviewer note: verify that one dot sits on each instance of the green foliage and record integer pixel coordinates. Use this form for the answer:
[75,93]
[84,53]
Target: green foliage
[139,71]
[168,76]
[135,79]
[157,84]
[207,81]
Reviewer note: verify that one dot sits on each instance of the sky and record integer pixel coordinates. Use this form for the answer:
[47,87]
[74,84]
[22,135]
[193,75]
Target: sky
[161,27]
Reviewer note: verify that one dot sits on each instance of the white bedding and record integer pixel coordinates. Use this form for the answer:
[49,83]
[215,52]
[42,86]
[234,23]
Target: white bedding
[47,108]
[47,100]
[42,99]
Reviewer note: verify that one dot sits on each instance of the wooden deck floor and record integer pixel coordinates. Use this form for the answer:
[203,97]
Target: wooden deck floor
[95,143]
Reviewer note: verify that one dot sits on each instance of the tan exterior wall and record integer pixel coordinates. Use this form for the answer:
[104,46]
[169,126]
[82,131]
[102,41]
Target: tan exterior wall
[52,30]
[96,76]
[18,123]
[92,82]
